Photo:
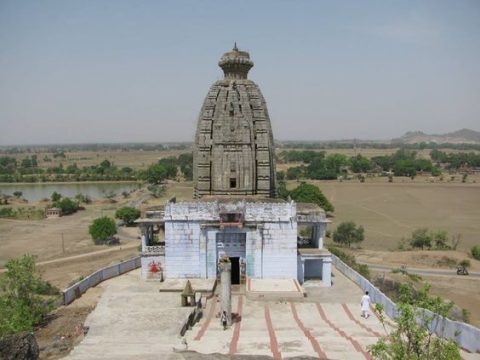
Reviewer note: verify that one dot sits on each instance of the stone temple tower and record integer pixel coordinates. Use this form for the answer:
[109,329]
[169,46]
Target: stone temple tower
[234,150]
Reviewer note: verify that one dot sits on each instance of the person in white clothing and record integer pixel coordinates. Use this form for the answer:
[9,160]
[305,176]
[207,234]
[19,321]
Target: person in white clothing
[365,305]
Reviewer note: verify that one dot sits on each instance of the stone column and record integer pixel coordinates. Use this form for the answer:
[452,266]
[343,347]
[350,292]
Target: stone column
[301,268]
[225,268]
[327,271]
[143,230]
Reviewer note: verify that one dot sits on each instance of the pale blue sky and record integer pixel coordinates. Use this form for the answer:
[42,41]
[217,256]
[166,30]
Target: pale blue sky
[132,71]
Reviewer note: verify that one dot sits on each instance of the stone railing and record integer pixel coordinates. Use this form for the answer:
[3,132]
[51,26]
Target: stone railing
[77,289]
[153,250]
[465,335]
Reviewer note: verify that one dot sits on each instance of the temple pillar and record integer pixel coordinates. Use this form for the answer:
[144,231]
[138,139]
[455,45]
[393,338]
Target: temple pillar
[225,268]
[143,237]
[327,271]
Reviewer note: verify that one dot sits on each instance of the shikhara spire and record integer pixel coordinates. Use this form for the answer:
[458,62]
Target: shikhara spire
[234,150]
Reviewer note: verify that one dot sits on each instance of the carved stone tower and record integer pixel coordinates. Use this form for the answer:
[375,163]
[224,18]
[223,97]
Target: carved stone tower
[234,150]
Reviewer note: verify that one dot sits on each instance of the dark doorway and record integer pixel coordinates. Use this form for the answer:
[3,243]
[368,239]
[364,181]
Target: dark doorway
[235,270]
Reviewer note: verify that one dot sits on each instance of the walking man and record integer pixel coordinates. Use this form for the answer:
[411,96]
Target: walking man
[365,305]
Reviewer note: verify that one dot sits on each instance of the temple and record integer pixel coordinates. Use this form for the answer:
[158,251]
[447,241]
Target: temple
[234,213]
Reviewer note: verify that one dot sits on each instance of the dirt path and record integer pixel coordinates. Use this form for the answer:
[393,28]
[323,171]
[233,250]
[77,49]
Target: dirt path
[81,256]
[434,272]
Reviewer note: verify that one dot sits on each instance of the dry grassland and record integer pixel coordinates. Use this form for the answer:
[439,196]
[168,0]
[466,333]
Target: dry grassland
[391,211]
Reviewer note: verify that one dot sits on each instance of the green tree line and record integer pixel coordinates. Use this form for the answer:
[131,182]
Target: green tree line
[27,170]
[317,165]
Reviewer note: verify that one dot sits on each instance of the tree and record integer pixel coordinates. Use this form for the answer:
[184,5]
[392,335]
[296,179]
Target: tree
[127,214]
[359,164]
[21,306]
[281,175]
[282,191]
[421,239]
[101,229]
[412,338]
[348,233]
[309,193]
[155,174]
[295,173]
[55,196]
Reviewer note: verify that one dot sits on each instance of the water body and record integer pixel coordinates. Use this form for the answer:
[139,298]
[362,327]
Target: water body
[95,190]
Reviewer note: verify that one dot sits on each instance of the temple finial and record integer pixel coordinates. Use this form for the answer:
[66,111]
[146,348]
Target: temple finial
[235,47]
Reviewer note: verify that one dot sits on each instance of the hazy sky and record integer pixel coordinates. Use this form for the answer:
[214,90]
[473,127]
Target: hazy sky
[132,71]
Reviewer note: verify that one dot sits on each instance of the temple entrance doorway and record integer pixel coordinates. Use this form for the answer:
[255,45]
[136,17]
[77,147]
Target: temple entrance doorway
[233,245]
[235,261]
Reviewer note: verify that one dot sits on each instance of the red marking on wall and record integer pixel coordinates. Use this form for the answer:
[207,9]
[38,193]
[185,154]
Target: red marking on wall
[308,334]
[350,315]
[271,333]
[205,325]
[342,333]
[236,330]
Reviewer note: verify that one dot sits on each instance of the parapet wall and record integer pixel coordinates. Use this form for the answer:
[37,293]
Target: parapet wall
[77,289]
[465,335]
[210,210]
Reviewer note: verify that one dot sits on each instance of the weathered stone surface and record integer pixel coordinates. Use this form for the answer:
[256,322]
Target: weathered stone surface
[21,346]
[234,150]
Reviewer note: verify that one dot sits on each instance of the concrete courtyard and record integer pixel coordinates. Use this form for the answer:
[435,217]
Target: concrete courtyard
[133,320]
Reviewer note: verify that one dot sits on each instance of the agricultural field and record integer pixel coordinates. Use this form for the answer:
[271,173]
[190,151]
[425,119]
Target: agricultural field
[391,211]
[135,159]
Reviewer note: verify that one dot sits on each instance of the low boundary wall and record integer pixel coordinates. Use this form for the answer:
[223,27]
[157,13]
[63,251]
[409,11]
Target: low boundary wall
[77,289]
[466,336]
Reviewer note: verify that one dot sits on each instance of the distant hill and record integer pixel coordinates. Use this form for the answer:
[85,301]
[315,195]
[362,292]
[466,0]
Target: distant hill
[463,136]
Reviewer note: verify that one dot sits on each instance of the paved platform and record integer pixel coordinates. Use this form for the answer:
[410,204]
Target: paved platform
[274,288]
[133,320]
[177,285]
[287,329]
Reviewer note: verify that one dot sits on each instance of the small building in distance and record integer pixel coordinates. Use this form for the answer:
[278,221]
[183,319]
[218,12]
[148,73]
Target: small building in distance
[53,213]
[235,213]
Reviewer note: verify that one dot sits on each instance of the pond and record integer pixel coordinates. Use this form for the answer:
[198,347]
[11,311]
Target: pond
[94,190]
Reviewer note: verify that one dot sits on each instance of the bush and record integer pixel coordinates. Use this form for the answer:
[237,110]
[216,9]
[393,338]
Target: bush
[421,239]
[101,229]
[7,212]
[476,252]
[67,205]
[21,306]
[362,269]
[411,338]
[127,214]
